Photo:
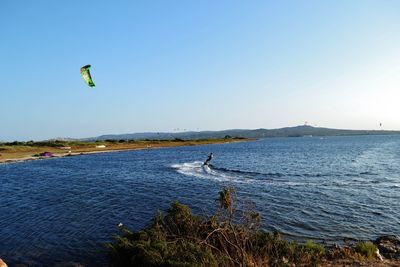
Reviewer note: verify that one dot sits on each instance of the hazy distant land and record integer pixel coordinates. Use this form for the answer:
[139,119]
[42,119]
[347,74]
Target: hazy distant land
[297,131]
[12,151]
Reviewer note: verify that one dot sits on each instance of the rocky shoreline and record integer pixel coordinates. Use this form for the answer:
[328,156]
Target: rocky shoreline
[389,246]
[387,254]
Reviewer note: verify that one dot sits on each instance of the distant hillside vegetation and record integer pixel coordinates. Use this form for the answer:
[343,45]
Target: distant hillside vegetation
[297,131]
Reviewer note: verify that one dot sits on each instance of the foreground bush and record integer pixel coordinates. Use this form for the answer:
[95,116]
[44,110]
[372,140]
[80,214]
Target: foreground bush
[367,249]
[230,237]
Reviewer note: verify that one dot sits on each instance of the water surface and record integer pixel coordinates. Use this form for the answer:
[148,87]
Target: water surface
[62,210]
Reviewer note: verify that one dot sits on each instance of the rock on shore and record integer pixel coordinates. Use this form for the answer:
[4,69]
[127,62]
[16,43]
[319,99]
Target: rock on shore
[389,246]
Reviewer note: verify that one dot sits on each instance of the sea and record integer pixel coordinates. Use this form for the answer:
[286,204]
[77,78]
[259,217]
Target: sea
[60,212]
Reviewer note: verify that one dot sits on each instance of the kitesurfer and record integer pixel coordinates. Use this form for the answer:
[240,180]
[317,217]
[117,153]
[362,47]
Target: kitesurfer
[210,156]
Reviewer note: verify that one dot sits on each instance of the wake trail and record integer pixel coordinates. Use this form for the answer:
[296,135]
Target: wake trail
[211,172]
[197,169]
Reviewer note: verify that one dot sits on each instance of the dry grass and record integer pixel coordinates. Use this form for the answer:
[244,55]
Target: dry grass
[25,152]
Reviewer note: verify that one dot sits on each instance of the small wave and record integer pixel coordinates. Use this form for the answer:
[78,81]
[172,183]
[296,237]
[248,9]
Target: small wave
[292,183]
[368,173]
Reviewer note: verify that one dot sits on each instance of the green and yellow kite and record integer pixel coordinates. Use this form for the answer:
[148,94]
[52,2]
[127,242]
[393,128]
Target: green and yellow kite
[86,75]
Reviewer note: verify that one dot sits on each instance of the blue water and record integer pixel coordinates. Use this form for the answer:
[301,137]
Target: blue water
[62,210]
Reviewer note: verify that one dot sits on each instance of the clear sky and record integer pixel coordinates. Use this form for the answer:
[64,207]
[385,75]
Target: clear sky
[196,65]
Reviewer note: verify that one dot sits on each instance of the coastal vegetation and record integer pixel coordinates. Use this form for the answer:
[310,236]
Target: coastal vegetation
[11,151]
[231,236]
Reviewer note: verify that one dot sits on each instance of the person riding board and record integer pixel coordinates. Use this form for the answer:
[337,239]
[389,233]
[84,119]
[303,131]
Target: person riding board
[210,156]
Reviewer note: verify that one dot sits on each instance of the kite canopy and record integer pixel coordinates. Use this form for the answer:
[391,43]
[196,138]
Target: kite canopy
[86,75]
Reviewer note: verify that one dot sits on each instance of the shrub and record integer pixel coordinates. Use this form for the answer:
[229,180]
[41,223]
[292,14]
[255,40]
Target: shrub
[312,247]
[367,249]
[229,237]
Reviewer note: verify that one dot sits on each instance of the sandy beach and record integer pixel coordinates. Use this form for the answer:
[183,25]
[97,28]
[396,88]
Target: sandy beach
[26,153]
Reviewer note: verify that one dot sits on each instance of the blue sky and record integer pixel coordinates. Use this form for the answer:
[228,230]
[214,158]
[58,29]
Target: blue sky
[196,65]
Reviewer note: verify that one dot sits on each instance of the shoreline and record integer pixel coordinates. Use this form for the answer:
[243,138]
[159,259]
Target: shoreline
[88,151]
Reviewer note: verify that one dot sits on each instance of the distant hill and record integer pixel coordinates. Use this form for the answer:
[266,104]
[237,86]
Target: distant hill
[297,131]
